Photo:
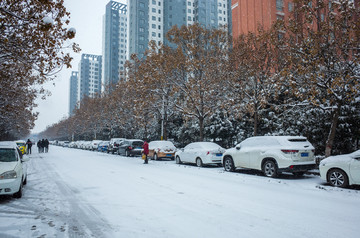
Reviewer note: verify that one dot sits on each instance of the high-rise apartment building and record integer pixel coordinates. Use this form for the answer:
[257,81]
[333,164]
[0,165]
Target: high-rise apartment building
[73,91]
[114,42]
[152,19]
[89,82]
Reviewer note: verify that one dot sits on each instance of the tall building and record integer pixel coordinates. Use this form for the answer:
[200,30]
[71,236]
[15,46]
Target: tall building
[73,91]
[248,15]
[89,82]
[152,19]
[114,42]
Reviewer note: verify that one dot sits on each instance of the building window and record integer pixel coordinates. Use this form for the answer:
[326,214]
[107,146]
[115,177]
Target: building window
[280,5]
[153,2]
[153,10]
[290,6]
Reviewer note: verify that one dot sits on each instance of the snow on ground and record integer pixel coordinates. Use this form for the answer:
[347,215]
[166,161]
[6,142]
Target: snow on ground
[75,193]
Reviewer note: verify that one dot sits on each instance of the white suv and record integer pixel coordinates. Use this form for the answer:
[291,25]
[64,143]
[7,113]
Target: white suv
[272,155]
[12,169]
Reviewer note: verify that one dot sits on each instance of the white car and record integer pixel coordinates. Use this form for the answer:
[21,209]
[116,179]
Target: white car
[272,155]
[94,144]
[200,153]
[13,170]
[341,170]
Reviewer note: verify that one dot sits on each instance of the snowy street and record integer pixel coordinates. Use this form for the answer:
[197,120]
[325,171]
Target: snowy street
[76,193]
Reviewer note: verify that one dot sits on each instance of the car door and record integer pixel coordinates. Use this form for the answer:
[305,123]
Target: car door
[355,169]
[122,146]
[242,156]
[186,154]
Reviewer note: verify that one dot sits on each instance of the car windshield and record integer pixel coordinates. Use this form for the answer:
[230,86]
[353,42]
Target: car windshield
[137,143]
[7,155]
[20,144]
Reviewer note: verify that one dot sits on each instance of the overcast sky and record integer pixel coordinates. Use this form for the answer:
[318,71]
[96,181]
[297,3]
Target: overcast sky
[86,18]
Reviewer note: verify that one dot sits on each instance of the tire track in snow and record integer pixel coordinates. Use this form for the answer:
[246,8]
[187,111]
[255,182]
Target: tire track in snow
[50,208]
[83,220]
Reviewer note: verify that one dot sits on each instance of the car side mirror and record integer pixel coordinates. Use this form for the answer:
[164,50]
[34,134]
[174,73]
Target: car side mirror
[182,149]
[238,147]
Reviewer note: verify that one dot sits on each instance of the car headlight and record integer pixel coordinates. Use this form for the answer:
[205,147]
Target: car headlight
[8,175]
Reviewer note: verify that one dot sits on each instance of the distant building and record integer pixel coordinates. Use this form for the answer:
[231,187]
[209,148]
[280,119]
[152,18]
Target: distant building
[248,15]
[89,81]
[73,91]
[114,42]
[152,19]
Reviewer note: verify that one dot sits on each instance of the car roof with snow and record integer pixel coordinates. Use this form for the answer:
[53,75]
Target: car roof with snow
[8,144]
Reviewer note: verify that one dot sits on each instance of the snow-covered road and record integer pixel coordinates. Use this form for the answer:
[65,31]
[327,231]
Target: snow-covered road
[75,193]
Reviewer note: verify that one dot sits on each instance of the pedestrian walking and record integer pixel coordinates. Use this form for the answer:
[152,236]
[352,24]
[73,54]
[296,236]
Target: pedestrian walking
[46,145]
[145,151]
[39,146]
[29,145]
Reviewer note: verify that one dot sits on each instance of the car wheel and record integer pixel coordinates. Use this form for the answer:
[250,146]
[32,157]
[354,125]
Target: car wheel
[229,164]
[270,169]
[127,154]
[178,160]
[338,178]
[19,193]
[199,162]
[25,181]
[155,157]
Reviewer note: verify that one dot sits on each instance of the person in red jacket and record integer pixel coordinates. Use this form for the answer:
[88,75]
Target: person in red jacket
[146,151]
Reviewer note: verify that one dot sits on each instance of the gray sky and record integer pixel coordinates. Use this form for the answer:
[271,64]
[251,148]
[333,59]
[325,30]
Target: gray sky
[86,18]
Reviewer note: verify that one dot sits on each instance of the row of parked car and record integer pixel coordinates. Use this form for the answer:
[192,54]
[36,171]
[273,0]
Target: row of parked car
[272,155]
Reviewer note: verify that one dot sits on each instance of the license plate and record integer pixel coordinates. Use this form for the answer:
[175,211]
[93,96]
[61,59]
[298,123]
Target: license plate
[304,154]
[218,154]
[169,155]
[138,148]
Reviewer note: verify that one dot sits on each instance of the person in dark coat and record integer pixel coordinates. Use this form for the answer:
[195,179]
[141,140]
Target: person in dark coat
[42,145]
[39,146]
[146,151]
[46,145]
[29,145]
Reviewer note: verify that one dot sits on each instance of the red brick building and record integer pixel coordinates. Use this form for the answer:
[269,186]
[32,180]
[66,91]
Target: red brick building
[247,15]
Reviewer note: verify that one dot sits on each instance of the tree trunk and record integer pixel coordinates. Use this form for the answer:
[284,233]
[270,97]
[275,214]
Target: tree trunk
[332,133]
[201,124]
[256,121]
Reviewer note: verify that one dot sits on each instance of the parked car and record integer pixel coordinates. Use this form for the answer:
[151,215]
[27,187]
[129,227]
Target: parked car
[21,144]
[200,153]
[341,170]
[272,155]
[87,145]
[161,149]
[114,144]
[130,147]
[65,143]
[94,144]
[72,144]
[13,169]
[103,146]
